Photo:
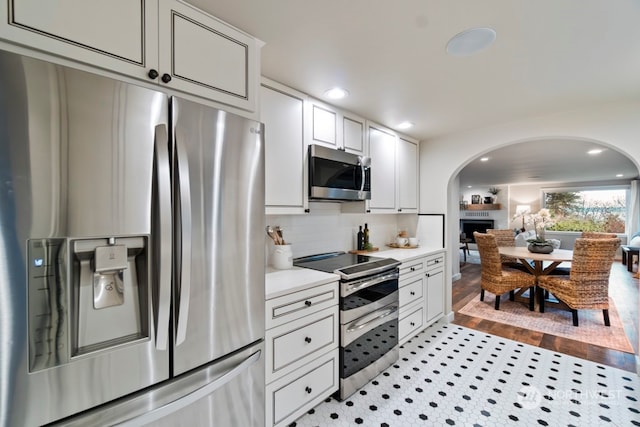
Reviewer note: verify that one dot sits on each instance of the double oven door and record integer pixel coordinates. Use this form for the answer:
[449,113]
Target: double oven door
[368,328]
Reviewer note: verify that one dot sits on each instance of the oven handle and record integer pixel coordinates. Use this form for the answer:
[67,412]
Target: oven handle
[387,311]
[349,289]
[368,273]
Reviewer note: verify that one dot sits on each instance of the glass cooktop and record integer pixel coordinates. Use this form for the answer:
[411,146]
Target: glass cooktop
[348,266]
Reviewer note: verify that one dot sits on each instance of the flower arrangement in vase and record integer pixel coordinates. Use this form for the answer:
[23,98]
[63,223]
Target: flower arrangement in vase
[540,221]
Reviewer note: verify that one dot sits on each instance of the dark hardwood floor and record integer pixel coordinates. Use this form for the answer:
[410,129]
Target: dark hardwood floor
[623,290]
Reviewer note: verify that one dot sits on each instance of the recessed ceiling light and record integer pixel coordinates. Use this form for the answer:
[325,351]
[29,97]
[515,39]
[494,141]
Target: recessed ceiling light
[484,159]
[405,125]
[336,93]
[594,151]
[469,186]
[619,175]
[471,41]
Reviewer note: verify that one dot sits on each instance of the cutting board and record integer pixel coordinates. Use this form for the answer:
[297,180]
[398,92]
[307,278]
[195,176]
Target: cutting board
[364,252]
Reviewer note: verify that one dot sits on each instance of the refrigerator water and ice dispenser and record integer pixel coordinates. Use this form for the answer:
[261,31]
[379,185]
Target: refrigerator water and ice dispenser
[85,295]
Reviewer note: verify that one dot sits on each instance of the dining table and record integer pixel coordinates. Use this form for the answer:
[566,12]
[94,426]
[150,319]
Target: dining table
[543,264]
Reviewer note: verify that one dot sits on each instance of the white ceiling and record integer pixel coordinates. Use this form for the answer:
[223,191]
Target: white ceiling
[549,56]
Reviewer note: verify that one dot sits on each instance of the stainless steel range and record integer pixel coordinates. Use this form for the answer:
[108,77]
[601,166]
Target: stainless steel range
[368,314]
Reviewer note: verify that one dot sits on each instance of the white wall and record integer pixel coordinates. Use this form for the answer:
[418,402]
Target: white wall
[326,229]
[616,125]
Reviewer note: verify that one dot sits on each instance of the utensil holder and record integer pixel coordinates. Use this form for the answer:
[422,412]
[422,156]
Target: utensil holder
[282,257]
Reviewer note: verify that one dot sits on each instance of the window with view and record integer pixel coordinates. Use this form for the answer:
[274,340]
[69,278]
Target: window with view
[593,209]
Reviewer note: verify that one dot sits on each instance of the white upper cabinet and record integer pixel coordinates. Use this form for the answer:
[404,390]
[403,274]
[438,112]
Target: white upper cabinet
[204,56]
[382,150]
[165,41]
[394,172]
[334,128]
[282,112]
[118,35]
[353,133]
[407,175]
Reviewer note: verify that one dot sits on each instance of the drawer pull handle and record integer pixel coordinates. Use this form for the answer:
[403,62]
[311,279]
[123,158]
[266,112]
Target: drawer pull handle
[412,269]
[308,389]
[412,324]
[412,293]
[307,339]
[308,303]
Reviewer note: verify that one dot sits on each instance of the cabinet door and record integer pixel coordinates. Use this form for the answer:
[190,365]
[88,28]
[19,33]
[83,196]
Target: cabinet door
[285,178]
[382,149]
[407,176]
[435,295]
[119,35]
[353,134]
[323,121]
[204,56]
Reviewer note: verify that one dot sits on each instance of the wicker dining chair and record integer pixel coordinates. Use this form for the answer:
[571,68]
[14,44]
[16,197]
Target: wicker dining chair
[504,237]
[587,286]
[495,277]
[597,235]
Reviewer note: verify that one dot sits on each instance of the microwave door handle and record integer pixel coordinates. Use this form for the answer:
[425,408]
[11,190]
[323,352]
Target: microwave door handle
[364,162]
[163,239]
[185,234]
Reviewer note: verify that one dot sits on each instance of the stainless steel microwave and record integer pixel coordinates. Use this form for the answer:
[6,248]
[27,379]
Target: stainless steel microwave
[338,175]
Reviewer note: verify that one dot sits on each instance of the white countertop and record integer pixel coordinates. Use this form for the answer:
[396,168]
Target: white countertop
[282,282]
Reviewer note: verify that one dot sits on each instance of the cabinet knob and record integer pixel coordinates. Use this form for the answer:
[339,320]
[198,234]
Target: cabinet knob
[307,210]
[399,210]
[166,78]
[412,324]
[153,74]
[307,340]
[412,293]
[308,389]
[413,269]
[368,210]
[308,303]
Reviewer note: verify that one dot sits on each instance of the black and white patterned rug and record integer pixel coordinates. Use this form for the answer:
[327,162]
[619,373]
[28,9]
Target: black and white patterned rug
[451,375]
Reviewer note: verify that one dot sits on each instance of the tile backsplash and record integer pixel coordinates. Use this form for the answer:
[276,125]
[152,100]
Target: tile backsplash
[327,229]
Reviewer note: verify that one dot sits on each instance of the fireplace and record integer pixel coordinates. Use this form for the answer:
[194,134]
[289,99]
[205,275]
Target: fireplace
[468,226]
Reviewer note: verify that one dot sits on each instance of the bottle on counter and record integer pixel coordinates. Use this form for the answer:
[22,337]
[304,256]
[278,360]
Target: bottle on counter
[360,239]
[366,235]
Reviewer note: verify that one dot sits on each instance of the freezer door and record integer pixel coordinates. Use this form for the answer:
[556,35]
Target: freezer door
[219,241]
[228,392]
[76,276]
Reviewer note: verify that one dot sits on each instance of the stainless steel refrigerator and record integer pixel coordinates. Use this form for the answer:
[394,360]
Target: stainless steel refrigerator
[131,254]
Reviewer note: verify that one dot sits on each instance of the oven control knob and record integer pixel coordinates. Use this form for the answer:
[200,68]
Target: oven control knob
[308,390]
[307,340]
[307,303]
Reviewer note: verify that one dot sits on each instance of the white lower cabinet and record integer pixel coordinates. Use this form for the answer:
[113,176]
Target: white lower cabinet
[412,296]
[435,287]
[301,352]
[421,294]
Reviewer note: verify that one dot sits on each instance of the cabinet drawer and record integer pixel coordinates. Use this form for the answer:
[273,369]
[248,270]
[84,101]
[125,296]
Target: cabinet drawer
[293,395]
[292,345]
[411,323]
[435,261]
[411,267]
[412,291]
[300,304]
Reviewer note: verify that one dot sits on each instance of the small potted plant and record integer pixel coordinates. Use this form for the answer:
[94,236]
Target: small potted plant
[494,192]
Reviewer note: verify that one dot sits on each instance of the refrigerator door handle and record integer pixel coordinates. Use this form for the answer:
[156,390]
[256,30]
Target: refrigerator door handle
[163,181]
[194,396]
[185,234]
